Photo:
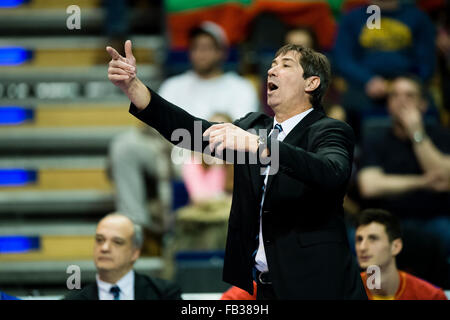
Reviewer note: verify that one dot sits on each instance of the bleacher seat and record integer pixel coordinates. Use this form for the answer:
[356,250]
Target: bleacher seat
[63,114]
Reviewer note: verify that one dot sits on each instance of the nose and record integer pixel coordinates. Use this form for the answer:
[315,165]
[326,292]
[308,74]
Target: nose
[272,71]
[105,246]
[362,245]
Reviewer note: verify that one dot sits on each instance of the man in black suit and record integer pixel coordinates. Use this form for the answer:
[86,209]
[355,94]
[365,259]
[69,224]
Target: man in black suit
[286,228]
[117,247]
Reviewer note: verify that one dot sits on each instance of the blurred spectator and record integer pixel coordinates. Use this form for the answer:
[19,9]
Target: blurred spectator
[117,18]
[118,22]
[368,57]
[331,102]
[406,166]
[302,36]
[203,223]
[4,296]
[336,7]
[443,46]
[378,242]
[140,168]
[206,89]
[117,247]
[203,91]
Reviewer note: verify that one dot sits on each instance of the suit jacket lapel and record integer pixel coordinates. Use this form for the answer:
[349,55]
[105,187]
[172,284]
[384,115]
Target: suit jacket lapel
[142,289]
[91,292]
[296,134]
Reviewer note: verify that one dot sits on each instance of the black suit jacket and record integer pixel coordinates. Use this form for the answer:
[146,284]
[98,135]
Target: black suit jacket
[303,229]
[145,288]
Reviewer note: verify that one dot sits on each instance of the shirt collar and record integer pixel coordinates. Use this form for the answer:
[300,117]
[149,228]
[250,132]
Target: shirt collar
[125,283]
[290,123]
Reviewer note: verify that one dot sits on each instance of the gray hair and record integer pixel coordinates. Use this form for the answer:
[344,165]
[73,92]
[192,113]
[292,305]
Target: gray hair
[138,232]
[138,236]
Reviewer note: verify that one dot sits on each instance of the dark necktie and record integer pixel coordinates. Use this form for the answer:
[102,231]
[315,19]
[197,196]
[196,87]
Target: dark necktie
[115,291]
[275,132]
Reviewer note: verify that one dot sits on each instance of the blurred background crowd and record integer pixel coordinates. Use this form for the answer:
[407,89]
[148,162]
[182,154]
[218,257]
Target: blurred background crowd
[70,153]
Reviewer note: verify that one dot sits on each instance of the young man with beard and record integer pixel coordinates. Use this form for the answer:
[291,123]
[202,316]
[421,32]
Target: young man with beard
[378,242]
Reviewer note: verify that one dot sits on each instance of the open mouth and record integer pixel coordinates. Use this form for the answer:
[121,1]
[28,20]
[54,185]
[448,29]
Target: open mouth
[272,86]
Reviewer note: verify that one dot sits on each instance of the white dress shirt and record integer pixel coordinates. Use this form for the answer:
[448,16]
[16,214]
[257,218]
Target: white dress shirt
[287,125]
[125,284]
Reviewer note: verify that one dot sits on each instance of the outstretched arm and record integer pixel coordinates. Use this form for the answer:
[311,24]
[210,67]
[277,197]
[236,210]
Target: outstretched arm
[167,118]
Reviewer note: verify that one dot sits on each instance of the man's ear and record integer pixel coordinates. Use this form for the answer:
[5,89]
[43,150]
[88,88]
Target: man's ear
[396,246]
[312,83]
[136,254]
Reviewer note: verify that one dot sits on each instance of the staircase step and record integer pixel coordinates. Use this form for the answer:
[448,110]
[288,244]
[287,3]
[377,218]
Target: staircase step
[56,247]
[23,19]
[59,74]
[61,4]
[55,162]
[53,20]
[155,43]
[58,139]
[55,272]
[77,115]
[65,179]
[47,228]
[82,202]
[80,57]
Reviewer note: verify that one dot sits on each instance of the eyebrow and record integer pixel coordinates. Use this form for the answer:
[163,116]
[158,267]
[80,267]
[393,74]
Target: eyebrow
[285,59]
[114,238]
[370,235]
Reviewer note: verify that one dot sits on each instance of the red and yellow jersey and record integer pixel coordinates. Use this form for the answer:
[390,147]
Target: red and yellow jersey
[235,293]
[410,288]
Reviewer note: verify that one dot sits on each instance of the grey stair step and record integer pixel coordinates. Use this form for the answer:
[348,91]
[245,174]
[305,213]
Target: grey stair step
[110,96]
[58,138]
[55,272]
[24,18]
[39,84]
[29,74]
[40,228]
[154,42]
[83,202]
[55,162]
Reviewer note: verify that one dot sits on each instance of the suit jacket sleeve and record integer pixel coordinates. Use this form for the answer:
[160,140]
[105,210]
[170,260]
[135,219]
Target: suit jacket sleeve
[328,163]
[166,118]
[173,123]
